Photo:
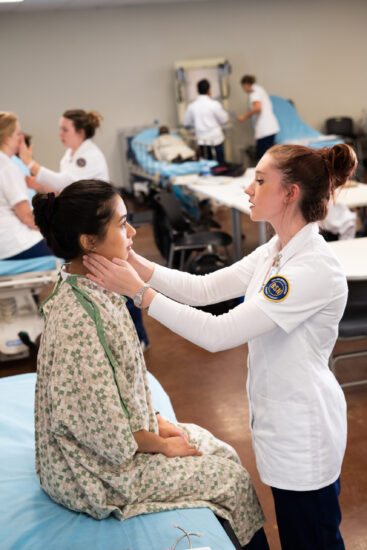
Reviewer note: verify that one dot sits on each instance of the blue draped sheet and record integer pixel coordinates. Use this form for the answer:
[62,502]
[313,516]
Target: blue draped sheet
[294,130]
[30,520]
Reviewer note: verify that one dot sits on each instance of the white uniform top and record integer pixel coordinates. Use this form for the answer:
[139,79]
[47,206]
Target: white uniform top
[340,220]
[207,116]
[88,162]
[15,236]
[265,123]
[297,408]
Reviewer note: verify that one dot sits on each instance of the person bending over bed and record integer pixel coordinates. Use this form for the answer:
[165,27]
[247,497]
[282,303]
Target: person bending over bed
[19,236]
[101,448]
[169,148]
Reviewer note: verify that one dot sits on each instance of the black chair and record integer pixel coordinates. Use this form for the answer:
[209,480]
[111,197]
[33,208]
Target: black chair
[176,232]
[343,126]
[353,325]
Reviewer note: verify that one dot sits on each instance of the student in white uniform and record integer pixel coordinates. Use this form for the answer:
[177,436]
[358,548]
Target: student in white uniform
[82,160]
[207,116]
[295,294]
[261,113]
[19,236]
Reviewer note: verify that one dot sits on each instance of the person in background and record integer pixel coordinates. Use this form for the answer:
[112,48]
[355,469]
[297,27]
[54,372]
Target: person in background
[295,295]
[168,148]
[101,447]
[261,113]
[207,116]
[19,237]
[82,159]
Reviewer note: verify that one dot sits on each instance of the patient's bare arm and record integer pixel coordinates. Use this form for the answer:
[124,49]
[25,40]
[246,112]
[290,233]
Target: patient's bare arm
[24,213]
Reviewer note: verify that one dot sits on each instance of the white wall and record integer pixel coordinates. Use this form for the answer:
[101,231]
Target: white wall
[119,61]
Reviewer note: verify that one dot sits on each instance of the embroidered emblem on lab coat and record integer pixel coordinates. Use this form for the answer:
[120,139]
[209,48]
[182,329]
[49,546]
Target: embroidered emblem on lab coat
[276,288]
[81,162]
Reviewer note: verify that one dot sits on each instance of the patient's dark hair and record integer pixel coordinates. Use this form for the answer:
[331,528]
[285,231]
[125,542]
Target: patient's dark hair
[248,79]
[203,86]
[84,207]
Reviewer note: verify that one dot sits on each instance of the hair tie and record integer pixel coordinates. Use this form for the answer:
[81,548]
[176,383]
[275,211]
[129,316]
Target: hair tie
[50,206]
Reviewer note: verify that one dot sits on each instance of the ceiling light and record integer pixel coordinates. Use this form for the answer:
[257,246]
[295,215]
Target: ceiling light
[10,1]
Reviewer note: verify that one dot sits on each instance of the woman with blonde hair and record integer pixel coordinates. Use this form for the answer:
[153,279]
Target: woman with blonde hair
[82,160]
[19,236]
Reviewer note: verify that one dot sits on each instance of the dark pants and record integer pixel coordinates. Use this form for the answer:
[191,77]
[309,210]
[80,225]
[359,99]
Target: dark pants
[258,541]
[263,144]
[206,151]
[309,520]
[39,249]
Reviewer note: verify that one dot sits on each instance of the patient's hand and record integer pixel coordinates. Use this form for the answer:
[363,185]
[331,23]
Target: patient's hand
[177,446]
[167,429]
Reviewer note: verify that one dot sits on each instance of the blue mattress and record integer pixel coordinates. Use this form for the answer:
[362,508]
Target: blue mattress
[294,130]
[13,267]
[149,164]
[30,520]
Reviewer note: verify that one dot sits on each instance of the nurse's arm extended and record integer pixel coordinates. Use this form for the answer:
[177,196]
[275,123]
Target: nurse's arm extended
[224,284]
[255,109]
[43,178]
[213,333]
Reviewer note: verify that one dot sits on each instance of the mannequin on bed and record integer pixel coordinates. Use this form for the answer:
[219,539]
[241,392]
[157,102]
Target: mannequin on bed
[169,148]
[101,448]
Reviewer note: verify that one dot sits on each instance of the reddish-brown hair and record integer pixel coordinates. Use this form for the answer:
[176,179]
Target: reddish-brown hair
[317,172]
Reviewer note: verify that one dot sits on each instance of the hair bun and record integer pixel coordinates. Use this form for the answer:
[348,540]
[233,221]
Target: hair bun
[341,162]
[94,118]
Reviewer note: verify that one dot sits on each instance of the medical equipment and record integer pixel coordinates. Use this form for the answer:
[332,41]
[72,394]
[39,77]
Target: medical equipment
[21,281]
[140,170]
[189,72]
[187,75]
[30,520]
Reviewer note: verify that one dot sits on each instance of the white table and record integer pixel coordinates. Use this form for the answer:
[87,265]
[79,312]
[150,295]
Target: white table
[353,197]
[230,192]
[352,254]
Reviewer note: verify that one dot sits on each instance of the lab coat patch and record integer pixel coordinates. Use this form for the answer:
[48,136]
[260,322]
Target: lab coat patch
[276,288]
[81,162]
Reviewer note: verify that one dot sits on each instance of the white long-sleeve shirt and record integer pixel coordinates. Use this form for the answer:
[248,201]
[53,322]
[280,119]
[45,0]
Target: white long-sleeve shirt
[290,320]
[88,162]
[207,116]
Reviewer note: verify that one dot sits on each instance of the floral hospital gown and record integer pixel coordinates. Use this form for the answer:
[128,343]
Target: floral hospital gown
[92,394]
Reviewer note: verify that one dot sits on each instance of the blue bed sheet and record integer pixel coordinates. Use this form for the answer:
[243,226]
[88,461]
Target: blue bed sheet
[13,267]
[293,129]
[152,166]
[30,520]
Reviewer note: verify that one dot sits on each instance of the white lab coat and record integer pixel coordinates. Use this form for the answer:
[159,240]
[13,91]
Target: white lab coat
[88,162]
[15,236]
[297,408]
[207,116]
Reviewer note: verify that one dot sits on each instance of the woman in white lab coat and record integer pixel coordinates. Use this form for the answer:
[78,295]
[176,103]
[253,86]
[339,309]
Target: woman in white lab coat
[82,159]
[295,294]
[19,237]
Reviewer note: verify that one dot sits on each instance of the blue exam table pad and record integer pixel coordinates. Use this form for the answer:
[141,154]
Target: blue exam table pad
[30,520]
[14,267]
[152,166]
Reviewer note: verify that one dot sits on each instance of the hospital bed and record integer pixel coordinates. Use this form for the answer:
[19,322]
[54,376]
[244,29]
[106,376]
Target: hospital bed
[139,165]
[30,520]
[294,130]
[21,281]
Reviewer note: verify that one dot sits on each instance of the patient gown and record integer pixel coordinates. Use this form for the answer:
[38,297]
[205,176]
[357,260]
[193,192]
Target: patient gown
[92,394]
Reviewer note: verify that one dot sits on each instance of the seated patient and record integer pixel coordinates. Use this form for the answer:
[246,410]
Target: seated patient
[101,448]
[169,148]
